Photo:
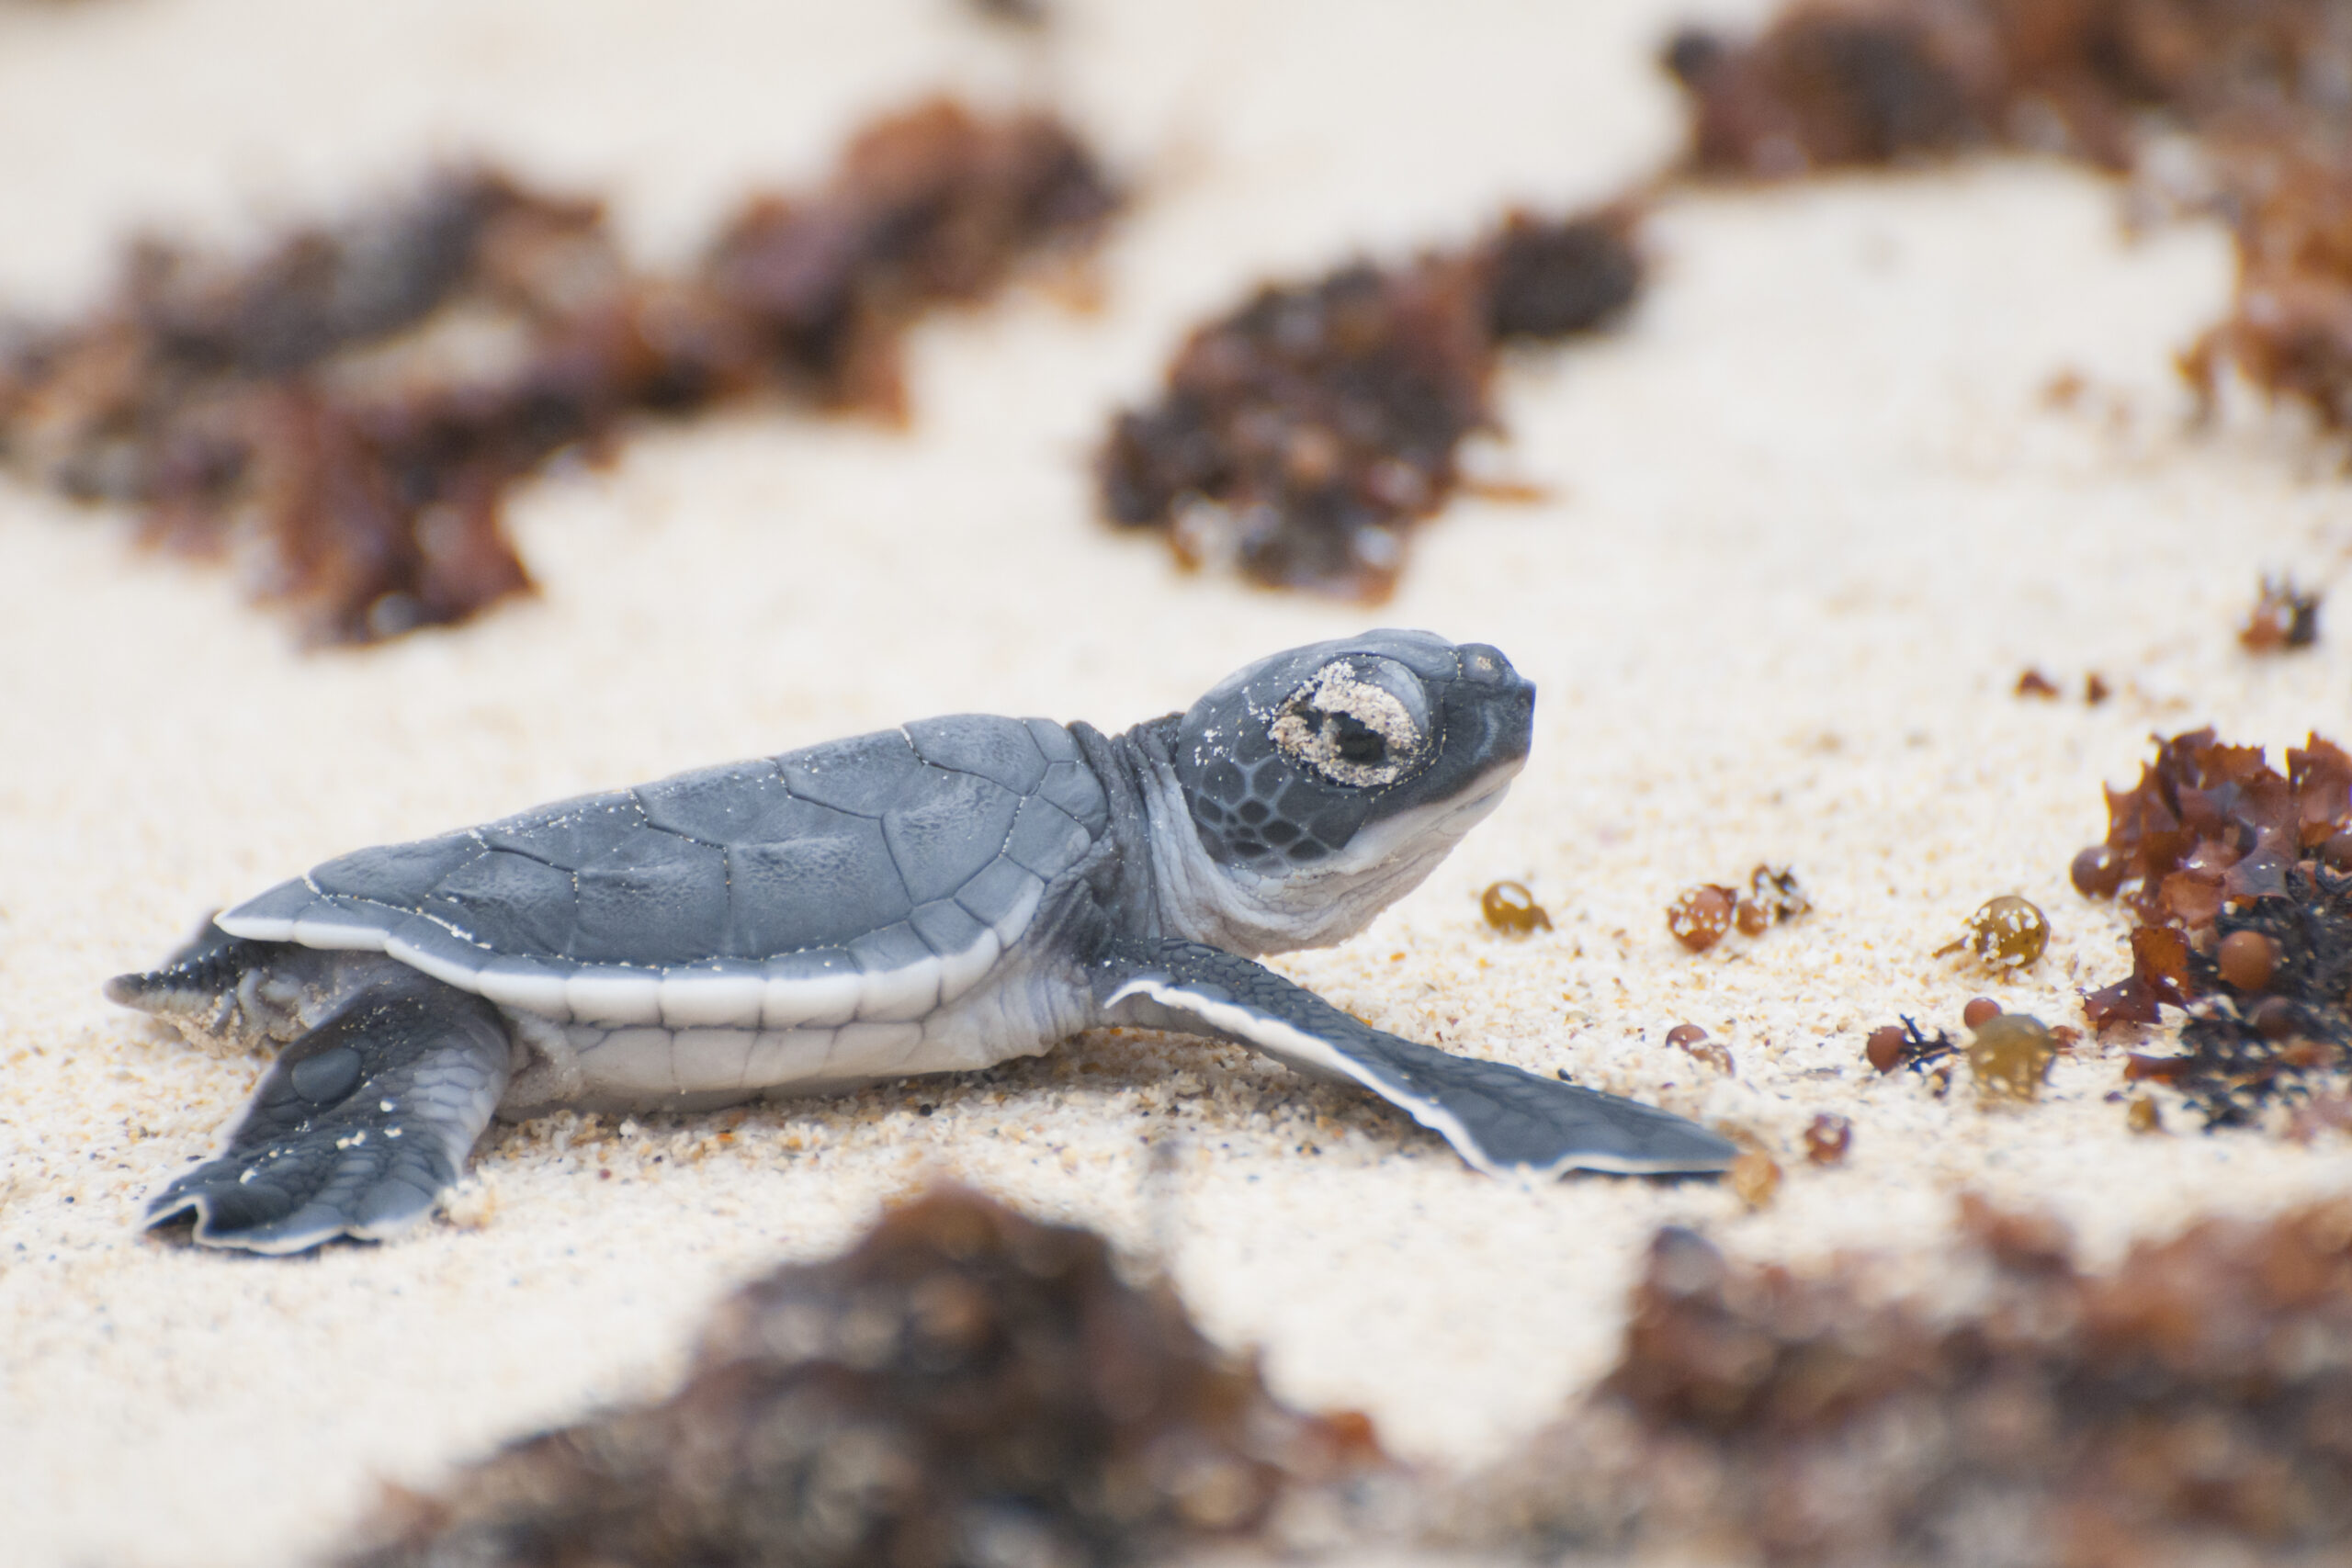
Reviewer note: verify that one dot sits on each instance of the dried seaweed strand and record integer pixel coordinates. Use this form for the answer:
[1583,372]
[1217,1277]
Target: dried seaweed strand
[2259,85]
[348,412]
[963,1386]
[1300,437]
[2167,1413]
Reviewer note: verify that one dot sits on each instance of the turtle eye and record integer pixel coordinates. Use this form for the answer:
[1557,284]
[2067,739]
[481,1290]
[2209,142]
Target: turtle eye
[1358,741]
[1361,721]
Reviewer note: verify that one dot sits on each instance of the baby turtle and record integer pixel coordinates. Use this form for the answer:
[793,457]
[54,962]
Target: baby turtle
[932,898]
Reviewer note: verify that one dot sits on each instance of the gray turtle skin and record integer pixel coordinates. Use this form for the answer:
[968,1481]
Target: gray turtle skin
[934,898]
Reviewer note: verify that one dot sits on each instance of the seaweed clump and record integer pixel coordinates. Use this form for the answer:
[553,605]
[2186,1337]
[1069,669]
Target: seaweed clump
[347,411]
[1828,85]
[2289,327]
[2175,1411]
[965,1386]
[2271,1021]
[2283,617]
[1846,83]
[1300,437]
[2235,872]
[232,402]
[2259,84]
[932,207]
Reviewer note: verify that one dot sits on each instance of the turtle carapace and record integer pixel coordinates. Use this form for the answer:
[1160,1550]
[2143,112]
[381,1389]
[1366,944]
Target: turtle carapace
[932,898]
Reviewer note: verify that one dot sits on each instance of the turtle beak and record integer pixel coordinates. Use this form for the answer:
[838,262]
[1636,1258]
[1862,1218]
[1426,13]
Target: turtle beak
[1494,706]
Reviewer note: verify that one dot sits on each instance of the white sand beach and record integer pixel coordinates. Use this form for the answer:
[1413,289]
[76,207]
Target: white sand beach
[1806,519]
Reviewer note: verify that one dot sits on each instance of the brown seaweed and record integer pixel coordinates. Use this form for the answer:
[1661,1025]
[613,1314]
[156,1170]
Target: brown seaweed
[932,207]
[2207,822]
[2258,83]
[2283,617]
[1845,82]
[348,412]
[1890,1046]
[204,391]
[965,1386]
[968,1387]
[2177,1410]
[1865,82]
[1301,436]
[2289,327]
[2279,1033]
[2234,871]
[1832,84]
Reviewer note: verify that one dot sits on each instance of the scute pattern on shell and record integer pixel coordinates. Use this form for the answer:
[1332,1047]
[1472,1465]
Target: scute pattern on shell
[886,850]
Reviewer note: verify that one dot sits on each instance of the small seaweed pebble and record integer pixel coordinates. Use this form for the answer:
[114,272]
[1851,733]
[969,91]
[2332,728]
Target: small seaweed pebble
[1827,1137]
[1510,907]
[2248,959]
[2007,932]
[1755,1177]
[1699,916]
[2010,1056]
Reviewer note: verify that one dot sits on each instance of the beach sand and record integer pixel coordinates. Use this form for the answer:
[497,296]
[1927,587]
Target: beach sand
[1806,519]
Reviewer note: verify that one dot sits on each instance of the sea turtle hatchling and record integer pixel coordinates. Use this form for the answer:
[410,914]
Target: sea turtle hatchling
[932,898]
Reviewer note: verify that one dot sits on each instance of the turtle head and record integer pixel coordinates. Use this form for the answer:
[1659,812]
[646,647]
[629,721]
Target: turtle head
[1326,780]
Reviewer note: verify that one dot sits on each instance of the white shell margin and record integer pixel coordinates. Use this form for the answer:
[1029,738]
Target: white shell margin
[627,996]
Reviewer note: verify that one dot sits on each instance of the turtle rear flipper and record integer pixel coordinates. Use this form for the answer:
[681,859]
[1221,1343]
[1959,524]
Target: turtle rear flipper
[1501,1119]
[196,989]
[251,995]
[358,1126]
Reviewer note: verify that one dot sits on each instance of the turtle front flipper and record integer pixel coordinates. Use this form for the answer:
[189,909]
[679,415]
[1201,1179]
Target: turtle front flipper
[1501,1119]
[358,1126]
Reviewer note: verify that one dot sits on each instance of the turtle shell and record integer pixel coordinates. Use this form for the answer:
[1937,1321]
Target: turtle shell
[877,877]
